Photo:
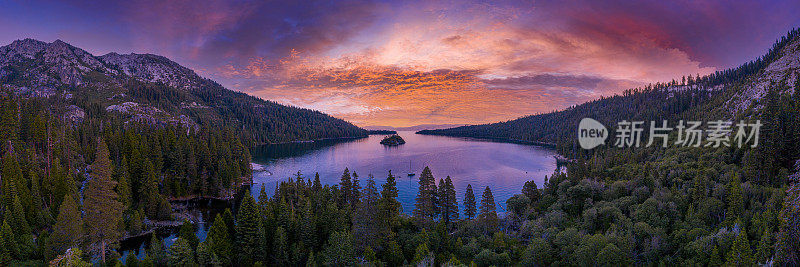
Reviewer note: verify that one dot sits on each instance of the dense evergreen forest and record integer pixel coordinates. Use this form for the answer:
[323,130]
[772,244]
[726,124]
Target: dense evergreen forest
[71,189]
[675,205]
[52,169]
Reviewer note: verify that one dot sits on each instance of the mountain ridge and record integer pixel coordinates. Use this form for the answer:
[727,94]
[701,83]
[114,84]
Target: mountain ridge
[153,89]
[413,128]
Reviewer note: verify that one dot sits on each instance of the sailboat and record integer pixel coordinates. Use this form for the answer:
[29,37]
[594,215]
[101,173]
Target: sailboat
[410,170]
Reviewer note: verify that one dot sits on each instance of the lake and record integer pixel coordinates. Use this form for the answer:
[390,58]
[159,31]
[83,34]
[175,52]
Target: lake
[504,167]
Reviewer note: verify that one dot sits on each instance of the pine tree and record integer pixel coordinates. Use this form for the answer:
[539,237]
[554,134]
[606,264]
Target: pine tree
[206,255]
[339,251]
[531,191]
[221,245]
[764,252]
[63,185]
[425,206]
[488,215]
[441,199]
[346,187]
[136,225]
[735,199]
[10,175]
[393,254]
[124,184]
[247,231]
[365,220]
[131,260]
[740,253]
[23,187]
[187,232]
[280,247]
[9,127]
[390,208]
[181,253]
[8,244]
[448,201]
[156,252]
[40,217]
[421,254]
[103,210]
[469,203]
[150,198]
[230,223]
[68,230]
[356,194]
[16,218]
[284,215]
[317,185]
[308,229]
[263,199]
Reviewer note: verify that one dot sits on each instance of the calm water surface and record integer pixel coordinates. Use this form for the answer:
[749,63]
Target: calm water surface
[504,167]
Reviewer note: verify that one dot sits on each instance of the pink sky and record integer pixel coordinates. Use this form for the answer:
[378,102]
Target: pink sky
[415,62]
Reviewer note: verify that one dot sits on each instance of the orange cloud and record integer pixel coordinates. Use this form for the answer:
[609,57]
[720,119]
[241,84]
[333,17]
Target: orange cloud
[370,94]
[435,70]
[471,63]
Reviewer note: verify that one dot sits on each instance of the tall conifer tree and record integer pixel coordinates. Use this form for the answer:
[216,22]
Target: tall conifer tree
[390,208]
[469,203]
[346,187]
[365,220]
[449,203]
[425,206]
[220,241]
[103,209]
[488,215]
[247,231]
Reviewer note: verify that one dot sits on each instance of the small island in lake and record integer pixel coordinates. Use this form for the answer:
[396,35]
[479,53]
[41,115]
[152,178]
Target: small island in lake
[393,140]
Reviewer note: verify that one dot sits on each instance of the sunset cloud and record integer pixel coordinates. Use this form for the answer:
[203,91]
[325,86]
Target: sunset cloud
[403,63]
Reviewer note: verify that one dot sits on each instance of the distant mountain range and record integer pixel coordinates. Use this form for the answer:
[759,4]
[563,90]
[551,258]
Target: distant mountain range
[413,128]
[152,89]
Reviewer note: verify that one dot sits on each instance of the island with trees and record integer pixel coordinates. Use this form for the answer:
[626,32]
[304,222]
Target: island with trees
[393,140]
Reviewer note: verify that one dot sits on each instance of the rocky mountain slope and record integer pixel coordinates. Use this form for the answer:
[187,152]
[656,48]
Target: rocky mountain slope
[783,71]
[151,89]
[152,68]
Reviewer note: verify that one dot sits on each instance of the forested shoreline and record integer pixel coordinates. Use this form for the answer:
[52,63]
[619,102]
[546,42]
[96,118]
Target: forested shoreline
[674,205]
[52,166]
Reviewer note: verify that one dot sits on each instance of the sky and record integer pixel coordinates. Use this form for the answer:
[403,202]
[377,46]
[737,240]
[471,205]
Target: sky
[404,63]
